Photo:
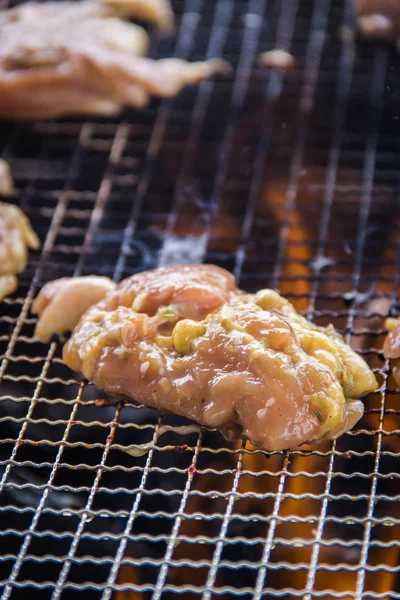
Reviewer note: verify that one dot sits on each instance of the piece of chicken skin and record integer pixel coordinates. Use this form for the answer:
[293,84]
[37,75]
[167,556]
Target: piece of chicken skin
[16,237]
[185,340]
[75,57]
[62,302]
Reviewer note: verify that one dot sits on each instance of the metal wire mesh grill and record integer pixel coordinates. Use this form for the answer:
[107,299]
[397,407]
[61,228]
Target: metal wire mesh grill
[290,181]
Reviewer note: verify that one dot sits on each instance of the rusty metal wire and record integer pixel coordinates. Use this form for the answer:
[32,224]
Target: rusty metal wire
[288,179]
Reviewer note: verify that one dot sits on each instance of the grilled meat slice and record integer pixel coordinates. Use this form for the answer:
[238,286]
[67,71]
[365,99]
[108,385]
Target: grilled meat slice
[379,18]
[58,59]
[16,237]
[391,347]
[8,285]
[38,15]
[62,302]
[6,181]
[185,340]
[277,58]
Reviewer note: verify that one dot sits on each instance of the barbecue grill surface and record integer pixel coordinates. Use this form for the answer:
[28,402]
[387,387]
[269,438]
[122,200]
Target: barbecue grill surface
[290,180]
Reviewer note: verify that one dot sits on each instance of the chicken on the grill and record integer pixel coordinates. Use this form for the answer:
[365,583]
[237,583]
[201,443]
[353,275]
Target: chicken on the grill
[391,347]
[6,180]
[80,57]
[62,302]
[16,237]
[186,341]
[277,58]
[379,19]
[8,283]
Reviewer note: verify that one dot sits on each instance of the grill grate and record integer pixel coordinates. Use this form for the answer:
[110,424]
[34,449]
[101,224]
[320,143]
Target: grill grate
[290,181]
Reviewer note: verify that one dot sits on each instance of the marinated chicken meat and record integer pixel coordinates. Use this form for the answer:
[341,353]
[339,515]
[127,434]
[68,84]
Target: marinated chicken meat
[186,341]
[8,283]
[277,58]
[16,237]
[391,347]
[81,57]
[6,181]
[77,294]
[158,12]
[379,18]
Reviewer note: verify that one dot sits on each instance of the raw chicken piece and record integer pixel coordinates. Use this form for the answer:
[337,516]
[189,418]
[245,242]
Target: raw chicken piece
[277,58]
[391,347]
[61,303]
[379,18]
[57,59]
[8,285]
[6,182]
[16,236]
[34,14]
[185,340]
[80,293]
[158,12]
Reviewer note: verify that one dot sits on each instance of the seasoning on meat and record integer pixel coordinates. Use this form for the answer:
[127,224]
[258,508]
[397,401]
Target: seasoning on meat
[80,57]
[186,341]
[16,237]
